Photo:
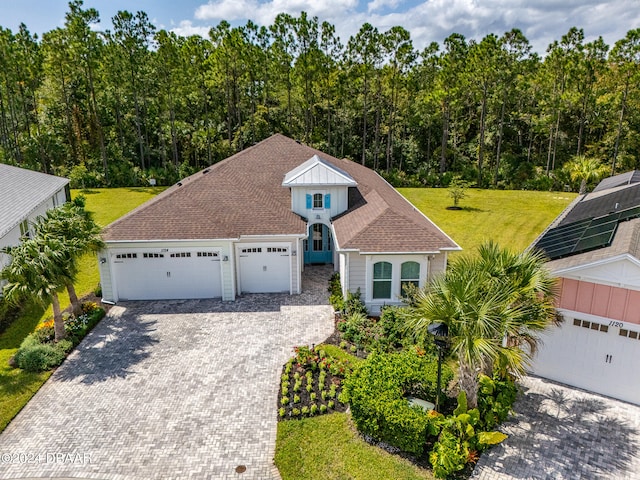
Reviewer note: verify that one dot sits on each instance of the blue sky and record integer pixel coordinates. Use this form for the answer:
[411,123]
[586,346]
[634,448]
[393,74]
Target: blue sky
[542,21]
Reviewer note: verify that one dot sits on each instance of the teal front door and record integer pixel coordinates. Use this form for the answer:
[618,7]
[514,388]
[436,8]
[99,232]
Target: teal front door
[318,248]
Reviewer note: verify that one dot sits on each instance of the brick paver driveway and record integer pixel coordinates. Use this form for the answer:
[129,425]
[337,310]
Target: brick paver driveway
[562,433]
[176,389]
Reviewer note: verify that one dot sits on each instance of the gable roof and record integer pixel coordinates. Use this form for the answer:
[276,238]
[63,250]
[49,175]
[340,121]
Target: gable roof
[21,192]
[317,172]
[243,196]
[595,221]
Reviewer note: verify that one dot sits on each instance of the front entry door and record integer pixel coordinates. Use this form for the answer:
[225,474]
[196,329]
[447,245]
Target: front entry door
[317,249]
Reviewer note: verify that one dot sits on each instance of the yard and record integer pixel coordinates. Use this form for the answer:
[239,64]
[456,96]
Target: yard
[17,386]
[512,218]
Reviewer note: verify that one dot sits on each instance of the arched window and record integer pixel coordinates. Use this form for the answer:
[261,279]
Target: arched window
[409,275]
[382,280]
[317,200]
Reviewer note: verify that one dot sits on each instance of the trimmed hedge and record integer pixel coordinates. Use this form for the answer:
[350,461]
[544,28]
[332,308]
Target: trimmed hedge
[377,390]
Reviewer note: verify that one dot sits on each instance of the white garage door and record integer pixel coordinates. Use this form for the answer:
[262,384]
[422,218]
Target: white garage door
[264,269]
[600,356]
[149,275]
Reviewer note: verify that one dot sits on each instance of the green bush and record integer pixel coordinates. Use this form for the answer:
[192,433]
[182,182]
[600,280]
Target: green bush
[40,357]
[495,399]
[377,390]
[335,293]
[460,440]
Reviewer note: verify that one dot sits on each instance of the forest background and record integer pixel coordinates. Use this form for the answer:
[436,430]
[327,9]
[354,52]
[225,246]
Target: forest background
[122,106]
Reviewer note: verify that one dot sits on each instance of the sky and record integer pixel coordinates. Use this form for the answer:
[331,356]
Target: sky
[542,21]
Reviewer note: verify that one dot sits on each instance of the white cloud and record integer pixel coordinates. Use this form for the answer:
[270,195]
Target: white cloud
[380,4]
[226,10]
[542,21]
[186,28]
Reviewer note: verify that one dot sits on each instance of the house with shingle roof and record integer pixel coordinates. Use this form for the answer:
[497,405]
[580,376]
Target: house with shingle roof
[594,249]
[253,222]
[24,196]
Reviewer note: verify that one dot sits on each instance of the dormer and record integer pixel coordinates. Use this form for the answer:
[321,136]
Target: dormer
[319,190]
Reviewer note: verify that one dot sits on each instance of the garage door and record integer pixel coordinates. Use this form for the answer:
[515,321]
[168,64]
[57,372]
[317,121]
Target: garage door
[149,275]
[264,269]
[600,356]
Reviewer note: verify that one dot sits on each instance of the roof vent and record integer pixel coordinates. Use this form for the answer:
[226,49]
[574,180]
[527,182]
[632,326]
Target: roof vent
[204,172]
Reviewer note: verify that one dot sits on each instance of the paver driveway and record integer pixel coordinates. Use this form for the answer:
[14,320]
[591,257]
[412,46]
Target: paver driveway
[562,433]
[176,389]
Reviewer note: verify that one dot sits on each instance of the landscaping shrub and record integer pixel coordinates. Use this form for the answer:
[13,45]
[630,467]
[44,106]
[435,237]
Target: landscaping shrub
[40,357]
[460,440]
[385,334]
[335,293]
[377,390]
[495,399]
[38,352]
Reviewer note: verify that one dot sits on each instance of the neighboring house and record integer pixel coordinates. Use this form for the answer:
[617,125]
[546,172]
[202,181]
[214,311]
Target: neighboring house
[24,196]
[251,223]
[594,250]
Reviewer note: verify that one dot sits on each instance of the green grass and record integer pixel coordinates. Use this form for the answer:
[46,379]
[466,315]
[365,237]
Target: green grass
[327,447]
[17,386]
[513,218]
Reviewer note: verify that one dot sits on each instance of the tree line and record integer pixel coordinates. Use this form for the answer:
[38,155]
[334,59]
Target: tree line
[117,107]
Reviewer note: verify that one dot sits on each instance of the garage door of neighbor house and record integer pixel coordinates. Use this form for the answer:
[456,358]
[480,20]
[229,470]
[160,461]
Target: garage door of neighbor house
[264,269]
[149,275]
[601,356]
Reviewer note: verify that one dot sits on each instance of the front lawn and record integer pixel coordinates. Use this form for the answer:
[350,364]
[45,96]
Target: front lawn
[18,386]
[328,447]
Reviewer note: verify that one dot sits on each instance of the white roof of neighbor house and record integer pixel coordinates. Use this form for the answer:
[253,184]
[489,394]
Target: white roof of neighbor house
[317,172]
[21,191]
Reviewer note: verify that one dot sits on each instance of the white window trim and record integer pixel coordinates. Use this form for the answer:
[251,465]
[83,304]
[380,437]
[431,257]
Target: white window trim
[396,262]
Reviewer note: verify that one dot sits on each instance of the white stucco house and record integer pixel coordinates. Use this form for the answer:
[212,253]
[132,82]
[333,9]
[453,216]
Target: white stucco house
[24,196]
[594,250]
[251,223]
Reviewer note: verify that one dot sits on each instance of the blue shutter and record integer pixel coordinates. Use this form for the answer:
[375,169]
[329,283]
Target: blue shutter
[327,201]
[309,201]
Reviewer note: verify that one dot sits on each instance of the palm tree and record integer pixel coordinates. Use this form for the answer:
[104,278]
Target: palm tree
[78,233]
[492,303]
[585,169]
[35,271]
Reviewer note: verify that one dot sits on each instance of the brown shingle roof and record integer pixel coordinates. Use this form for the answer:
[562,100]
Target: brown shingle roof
[242,195]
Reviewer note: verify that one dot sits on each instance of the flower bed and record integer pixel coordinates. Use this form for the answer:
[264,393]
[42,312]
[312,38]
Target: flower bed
[311,383]
[38,352]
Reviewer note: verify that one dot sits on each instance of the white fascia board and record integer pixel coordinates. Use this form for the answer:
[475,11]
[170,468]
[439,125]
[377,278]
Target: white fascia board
[596,263]
[253,237]
[190,240]
[432,252]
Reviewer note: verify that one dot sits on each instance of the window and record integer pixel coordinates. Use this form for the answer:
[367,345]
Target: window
[153,255]
[317,237]
[382,280]
[317,200]
[207,254]
[126,255]
[180,255]
[409,275]
[24,229]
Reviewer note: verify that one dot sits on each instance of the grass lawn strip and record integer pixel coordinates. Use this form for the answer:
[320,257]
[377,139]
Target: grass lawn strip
[328,447]
[17,386]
